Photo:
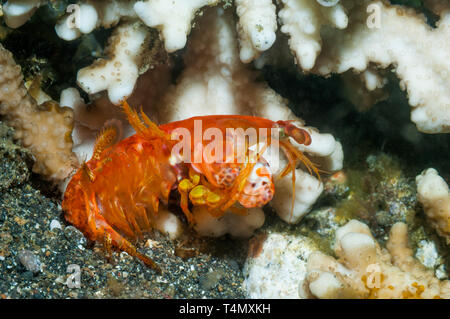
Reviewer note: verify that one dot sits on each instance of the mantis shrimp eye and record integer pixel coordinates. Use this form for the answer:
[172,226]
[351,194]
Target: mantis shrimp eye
[259,187]
[299,135]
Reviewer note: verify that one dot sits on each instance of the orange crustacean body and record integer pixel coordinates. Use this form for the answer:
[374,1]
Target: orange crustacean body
[116,195]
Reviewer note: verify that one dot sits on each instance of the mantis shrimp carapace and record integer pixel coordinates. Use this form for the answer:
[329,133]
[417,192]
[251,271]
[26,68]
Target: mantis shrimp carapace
[116,195]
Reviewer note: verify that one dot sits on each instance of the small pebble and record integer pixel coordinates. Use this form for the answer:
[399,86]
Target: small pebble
[30,261]
[74,235]
[54,224]
[211,279]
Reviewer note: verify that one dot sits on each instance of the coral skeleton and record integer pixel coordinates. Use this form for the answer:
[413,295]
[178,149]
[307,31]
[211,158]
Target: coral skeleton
[90,15]
[325,37]
[44,129]
[256,27]
[276,265]
[365,270]
[302,20]
[127,52]
[419,54]
[173,18]
[434,195]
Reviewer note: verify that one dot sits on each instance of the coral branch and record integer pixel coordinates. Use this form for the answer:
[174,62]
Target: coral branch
[173,18]
[88,15]
[303,20]
[419,54]
[45,129]
[128,52]
[434,194]
[256,27]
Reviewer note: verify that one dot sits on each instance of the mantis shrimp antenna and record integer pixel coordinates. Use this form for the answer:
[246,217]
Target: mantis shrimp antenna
[105,139]
[144,127]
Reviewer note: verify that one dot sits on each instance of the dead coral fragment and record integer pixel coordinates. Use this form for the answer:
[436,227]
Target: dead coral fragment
[434,194]
[45,129]
[365,270]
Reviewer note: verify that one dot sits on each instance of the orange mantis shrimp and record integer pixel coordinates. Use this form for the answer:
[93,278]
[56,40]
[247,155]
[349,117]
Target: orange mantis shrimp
[116,195]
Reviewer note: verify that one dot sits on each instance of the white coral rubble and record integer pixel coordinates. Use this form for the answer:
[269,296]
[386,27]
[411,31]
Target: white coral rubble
[325,36]
[365,270]
[276,265]
[434,194]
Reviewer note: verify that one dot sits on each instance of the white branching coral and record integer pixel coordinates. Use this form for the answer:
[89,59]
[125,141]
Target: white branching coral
[89,15]
[128,51]
[256,27]
[325,36]
[173,18]
[397,36]
[128,48]
[365,270]
[44,129]
[434,194]
[303,20]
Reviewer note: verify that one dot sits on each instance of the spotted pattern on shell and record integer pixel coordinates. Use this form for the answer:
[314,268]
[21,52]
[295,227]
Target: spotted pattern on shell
[227,175]
[259,188]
